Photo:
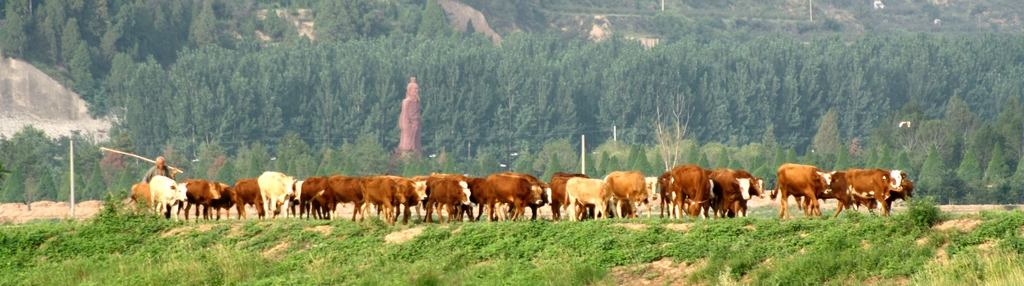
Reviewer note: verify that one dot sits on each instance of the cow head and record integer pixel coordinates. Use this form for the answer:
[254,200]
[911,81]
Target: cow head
[465,191]
[536,193]
[744,187]
[896,179]
[547,192]
[181,192]
[421,189]
[289,181]
[652,185]
[758,185]
[711,188]
[826,177]
[297,187]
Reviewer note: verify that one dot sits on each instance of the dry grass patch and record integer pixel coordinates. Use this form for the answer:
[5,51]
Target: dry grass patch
[633,226]
[684,227]
[322,229]
[403,236]
[661,272]
[750,227]
[276,251]
[964,224]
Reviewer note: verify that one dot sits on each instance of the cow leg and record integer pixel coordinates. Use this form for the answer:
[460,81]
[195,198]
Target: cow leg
[189,206]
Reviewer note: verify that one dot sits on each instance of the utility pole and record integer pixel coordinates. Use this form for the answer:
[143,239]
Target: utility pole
[583,149]
[615,133]
[810,9]
[72,179]
[662,5]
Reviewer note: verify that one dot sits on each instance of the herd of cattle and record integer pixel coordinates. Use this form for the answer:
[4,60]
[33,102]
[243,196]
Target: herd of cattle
[685,190]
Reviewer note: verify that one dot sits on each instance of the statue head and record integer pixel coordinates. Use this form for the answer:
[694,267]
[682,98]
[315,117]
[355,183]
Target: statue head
[412,90]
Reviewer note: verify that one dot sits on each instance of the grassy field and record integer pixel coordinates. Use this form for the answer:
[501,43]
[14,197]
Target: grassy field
[918,246]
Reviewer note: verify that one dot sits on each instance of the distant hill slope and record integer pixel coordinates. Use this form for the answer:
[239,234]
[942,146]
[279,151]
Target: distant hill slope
[29,96]
[831,17]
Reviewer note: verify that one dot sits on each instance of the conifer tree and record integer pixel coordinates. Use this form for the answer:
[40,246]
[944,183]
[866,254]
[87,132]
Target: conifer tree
[81,64]
[723,159]
[435,23]
[810,158]
[226,174]
[553,167]
[14,187]
[997,169]
[591,165]
[843,159]
[970,169]
[606,161]
[931,173]
[470,30]
[45,189]
[95,187]
[203,31]
[884,159]
[780,158]
[827,139]
[693,155]
[69,41]
[703,162]
[791,156]
[903,164]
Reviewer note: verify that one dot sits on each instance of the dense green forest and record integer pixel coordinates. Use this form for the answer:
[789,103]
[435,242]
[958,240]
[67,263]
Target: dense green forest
[226,93]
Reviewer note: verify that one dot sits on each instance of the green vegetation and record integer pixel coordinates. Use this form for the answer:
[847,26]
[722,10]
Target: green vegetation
[121,246]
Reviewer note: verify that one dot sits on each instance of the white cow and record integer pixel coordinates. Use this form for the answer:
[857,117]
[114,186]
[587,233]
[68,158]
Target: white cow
[583,191]
[167,194]
[276,189]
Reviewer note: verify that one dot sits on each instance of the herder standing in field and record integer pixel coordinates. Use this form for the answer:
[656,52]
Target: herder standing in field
[160,169]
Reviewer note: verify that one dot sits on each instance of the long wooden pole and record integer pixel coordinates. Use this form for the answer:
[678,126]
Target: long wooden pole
[139,157]
[72,179]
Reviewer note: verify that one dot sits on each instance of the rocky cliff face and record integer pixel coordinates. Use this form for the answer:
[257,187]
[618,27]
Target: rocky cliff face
[29,96]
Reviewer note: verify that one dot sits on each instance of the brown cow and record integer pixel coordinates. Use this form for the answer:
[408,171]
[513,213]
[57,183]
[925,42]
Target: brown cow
[800,181]
[408,193]
[446,192]
[544,187]
[200,193]
[559,198]
[378,191]
[514,190]
[730,191]
[667,196]
[874,183]
[343,190]
[140,193]
[308,191]
[692,189]
[628,188]
[756,189]
[247,192]
[225,202]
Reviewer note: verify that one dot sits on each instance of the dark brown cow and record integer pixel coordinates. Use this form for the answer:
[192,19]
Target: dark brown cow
[247,192]
[691,189]
[343,190]
[449,193]
[200,193]
[732,192]
[308,191]
[514,190]
[838,190]
[378,191]
[874,183]
[225,202]
[800,181]
[544,187]
[559,196]
[476,191]
[756,189]
[667,196]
